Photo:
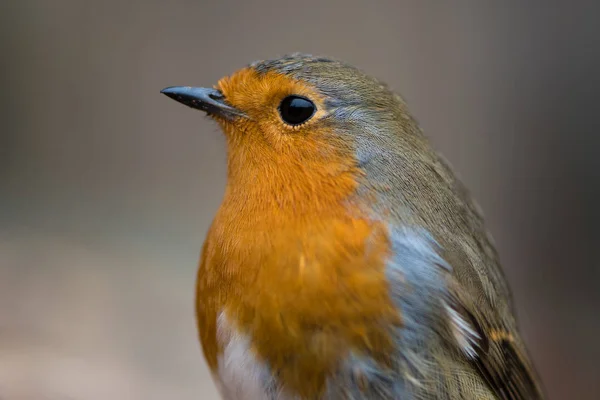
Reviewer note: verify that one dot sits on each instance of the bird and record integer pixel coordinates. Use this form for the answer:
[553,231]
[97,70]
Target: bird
[346,260]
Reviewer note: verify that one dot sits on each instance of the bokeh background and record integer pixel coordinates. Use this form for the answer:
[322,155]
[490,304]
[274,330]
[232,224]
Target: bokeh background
[107,187]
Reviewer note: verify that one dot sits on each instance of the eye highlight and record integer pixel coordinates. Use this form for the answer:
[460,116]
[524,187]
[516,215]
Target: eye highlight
[296,110]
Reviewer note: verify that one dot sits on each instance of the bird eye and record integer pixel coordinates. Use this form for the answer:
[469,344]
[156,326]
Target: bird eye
[295,110]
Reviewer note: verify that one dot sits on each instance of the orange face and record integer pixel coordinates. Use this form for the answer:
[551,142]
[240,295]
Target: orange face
[259,96]
[302,166]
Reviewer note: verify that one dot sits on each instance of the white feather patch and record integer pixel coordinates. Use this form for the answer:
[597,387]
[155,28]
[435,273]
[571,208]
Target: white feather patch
[466,337]
[240,375]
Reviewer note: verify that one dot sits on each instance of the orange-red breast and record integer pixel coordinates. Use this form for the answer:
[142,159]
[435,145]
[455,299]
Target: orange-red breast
[346,261]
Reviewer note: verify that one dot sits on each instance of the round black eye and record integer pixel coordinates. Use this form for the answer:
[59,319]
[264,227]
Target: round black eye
[296,110]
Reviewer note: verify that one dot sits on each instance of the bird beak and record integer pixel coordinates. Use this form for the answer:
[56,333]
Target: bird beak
[208,100]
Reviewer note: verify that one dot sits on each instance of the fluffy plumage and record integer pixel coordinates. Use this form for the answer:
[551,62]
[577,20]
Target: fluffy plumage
[346,258]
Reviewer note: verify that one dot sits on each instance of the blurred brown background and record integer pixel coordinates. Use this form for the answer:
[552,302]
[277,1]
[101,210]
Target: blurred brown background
[107,187]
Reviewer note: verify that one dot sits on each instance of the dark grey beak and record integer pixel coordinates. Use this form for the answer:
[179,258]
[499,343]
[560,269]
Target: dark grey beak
[208,100]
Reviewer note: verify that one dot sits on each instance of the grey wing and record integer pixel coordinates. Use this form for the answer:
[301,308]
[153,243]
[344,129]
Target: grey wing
[460,339]
[428,363]
[447,347]
[479,302]
[479,296]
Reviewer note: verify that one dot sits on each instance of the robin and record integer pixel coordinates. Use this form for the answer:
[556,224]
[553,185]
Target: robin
[346,261]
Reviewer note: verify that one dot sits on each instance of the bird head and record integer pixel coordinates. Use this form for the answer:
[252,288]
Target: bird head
[304,127]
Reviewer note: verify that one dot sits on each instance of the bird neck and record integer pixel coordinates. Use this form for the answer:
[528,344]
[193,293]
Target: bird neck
[263,183]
